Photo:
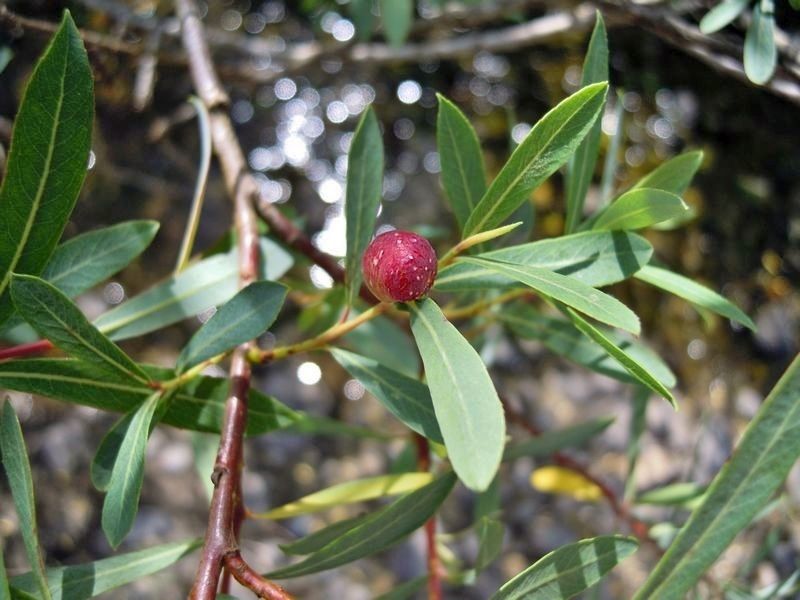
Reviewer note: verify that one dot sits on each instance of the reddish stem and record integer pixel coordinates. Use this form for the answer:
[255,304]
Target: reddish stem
[620,508]
[23,350]
[434,569]
[246,575]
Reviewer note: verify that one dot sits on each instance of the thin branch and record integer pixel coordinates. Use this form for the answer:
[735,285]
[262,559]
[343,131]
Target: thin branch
[247,576]
[226,509]
[434,570]
[620,508]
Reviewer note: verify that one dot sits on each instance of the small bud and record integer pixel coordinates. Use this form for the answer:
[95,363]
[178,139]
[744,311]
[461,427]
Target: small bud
[399,266]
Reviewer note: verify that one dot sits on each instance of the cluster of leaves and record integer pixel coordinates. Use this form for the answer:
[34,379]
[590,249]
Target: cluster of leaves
[456,406]
[760,54]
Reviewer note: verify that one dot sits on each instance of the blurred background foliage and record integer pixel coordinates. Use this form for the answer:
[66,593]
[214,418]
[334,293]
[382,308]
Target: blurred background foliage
[295,116]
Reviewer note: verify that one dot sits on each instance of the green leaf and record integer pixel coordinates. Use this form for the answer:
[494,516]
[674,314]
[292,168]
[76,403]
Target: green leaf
[633,366]
[315,425]
[564,339]
[553,441]
[596,258]
[199,405]
[406,590]
[4,591]
[6,54]
[379,531]
[675,175]
[18,473]
[463,172]
[384,341]
[760,54]
[56,318]
[204,447]
[363,195]
[47,159]
[397,16]
[640,208]
[122,498]
[581,166]
[79,582]
[571,292]
[205,284]
[467,408]
[695,293]
[90,258]
[349,492]
[407,399]
[745,483]
[722,14]
[319,539]
[569,570]
[490,541]
[244,317]
[548,146]
[360,12]
[675,494]
[106,455]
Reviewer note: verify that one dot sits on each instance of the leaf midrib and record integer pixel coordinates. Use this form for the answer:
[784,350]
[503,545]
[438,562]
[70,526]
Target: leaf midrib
[37,200]
[461,404]
[477,228]
[688,553]
[104,357]
[611,320]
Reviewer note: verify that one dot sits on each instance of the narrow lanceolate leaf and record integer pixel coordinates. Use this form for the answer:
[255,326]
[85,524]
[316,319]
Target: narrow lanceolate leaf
[407,399]
[396,19]
[722,14]
[5,592]
[467,408]
[47,160]
[321,538]
[596,258]
[201,286]
[79,582]
[568,571]
[743,486]
[548,146]
[244,317]
[490,541]
[634,367]
[18,473]
[106,455]
[581,166]
[349,492]
[695,293]
[571,292]
[90,258]
[379,531]
[554,441]
[760,54]
[199,405]
[640,208]
[561,336]
[463,172]
[122,499]
[363,195]
[675,175]
[56,318]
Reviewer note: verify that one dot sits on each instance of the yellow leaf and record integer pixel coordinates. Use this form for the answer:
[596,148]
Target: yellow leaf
[558,480]
[352,491]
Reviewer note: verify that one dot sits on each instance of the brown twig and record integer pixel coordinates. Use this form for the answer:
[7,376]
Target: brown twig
[620,508]
[434,570]
[226,506]
[246,575]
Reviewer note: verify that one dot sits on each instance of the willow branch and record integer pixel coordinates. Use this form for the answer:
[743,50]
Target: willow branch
[226,510]
[620,508]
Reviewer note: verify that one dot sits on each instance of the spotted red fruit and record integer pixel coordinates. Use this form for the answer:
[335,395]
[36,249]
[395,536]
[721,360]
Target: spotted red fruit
[399,266]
